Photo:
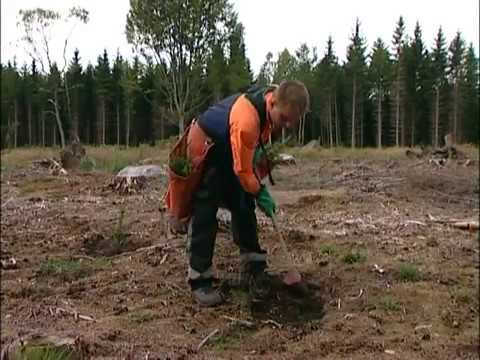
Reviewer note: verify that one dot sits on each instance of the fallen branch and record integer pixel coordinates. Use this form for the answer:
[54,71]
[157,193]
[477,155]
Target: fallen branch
[457,223]
[75,314]
[246,323]
[353,297]
[421,223]
[208,337]
[466,225]
[6,202]
[272,322]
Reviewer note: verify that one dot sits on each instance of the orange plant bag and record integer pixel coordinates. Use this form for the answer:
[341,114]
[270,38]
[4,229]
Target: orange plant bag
[193,145]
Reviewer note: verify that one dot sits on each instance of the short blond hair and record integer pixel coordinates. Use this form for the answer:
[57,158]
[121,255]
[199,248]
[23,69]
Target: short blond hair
[293,93]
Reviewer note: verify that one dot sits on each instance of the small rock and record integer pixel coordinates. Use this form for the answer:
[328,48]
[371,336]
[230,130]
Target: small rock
[8,264]
[373,314]
[424,331]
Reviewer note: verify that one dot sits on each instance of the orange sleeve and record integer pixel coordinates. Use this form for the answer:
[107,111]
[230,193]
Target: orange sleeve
[244,134]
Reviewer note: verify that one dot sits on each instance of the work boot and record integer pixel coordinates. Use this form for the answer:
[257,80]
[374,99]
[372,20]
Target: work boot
[207,296]
[256,279]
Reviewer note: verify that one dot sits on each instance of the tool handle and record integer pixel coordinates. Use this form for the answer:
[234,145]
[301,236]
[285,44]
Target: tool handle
[282,242]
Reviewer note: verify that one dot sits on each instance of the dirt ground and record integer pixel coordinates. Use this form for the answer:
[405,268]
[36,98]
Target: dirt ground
[388,274]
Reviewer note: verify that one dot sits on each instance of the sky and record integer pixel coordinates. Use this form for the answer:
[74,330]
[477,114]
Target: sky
[270,25]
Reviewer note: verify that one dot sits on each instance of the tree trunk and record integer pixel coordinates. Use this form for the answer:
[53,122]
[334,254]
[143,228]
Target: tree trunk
[29,119]
[118,124]
[360,115]
[181,125]
[162,125]
[74,131]
[43,129]
[54,136]
[337,125]
[412,131]
[397,113]
[57,118]
[437,114]
[330,123]
[103,121]
[455,112]
[283,135]
[354,99]
[15,124]
[127,127]
[379,119]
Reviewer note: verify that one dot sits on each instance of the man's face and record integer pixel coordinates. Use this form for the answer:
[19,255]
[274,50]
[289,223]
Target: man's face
[283,116]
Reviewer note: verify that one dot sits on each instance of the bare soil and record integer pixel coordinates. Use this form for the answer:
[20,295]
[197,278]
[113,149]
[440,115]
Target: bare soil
[388,276]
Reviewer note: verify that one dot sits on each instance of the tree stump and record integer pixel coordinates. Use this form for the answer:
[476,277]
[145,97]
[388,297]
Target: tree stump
[71,156]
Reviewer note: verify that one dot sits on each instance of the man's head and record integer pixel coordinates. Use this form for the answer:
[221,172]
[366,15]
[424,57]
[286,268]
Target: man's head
[290,101]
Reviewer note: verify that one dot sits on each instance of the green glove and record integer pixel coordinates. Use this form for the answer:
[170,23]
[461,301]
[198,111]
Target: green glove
[259,153]
[265,202]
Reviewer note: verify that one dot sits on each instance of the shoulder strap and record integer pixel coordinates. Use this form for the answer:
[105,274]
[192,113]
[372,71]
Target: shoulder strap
[256,95]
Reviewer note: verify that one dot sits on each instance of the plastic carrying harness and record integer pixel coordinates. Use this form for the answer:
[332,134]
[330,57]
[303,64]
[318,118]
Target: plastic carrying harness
[189,152]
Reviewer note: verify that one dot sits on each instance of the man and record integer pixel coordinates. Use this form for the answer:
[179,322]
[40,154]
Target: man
[237,125]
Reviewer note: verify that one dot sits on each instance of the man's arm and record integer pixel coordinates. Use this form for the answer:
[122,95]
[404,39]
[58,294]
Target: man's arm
[244,134]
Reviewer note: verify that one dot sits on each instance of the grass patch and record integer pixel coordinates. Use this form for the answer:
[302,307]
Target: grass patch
[389,153]
[232,339]
[388,303]
[87,164]
[461,295]
[142,316]
[70,269]
[408,273]
[112,159]
[34,291]
[45,352]
[354,257]
[104,158]
[21,157]
[329,250]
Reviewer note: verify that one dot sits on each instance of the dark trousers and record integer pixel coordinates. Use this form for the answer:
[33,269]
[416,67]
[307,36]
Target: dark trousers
[220,187]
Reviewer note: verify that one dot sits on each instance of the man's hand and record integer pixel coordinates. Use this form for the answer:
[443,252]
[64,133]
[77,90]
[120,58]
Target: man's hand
[265,202]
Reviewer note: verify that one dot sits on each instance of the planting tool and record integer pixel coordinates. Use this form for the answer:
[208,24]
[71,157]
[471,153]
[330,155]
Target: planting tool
[292,277]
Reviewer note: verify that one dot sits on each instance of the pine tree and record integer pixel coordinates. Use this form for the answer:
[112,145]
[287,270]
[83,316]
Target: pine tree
[439,64]
[74,75]
[399,82]
[103,89]
[238,68]
[117,94]
[417,93]
[326,92]
[265,75]
[306,60]
[284,68]
[216,81]
[130,85]
[470,90]
[380,72]
[356,70]
[455,65]
[89,106]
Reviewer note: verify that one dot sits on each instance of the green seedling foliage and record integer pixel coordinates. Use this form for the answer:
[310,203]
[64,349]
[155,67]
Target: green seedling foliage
[353,257]
[64,269]
[408,273]
[181,166]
